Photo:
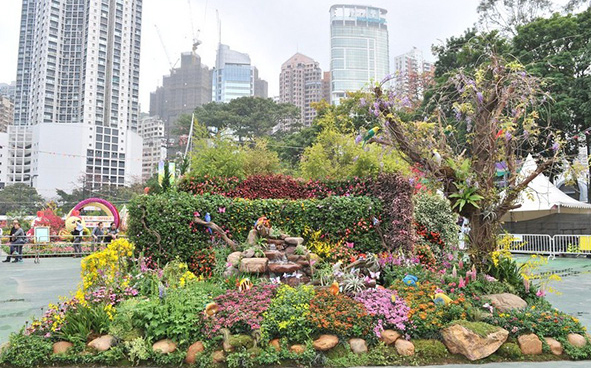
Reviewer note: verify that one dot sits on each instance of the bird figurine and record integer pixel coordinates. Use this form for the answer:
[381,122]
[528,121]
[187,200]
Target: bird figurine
[244,285]
[211,309]
[208,219]
[437,157]
[410,280]
[369,135]
[393,298]
[441,299]
[334,288]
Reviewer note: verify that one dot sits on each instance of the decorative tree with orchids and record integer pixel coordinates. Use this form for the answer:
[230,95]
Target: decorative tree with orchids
[480,128]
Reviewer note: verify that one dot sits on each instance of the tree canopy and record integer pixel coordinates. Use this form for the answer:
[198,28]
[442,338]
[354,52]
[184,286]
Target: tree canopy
[247,117]
[21,198]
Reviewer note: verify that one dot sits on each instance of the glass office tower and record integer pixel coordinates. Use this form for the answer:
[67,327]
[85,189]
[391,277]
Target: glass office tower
[358,48]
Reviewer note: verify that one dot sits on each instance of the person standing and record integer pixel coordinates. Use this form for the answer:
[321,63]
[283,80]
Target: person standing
[17,239]
[112,233]
[77,232]
[98,236]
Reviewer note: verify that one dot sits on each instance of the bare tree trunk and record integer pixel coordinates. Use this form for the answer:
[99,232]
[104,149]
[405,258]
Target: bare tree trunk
[483,238]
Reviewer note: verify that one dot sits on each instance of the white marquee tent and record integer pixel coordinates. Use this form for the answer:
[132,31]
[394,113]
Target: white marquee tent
[542,198]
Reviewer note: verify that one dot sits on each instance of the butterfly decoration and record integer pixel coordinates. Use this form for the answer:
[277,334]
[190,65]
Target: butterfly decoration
[222,209]
[374,275]
[244,285]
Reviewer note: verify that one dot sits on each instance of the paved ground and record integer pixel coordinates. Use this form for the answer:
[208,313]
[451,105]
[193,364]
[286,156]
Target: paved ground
[26,288]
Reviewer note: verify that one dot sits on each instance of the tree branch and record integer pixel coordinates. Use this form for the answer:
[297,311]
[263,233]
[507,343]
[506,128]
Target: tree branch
[217,229]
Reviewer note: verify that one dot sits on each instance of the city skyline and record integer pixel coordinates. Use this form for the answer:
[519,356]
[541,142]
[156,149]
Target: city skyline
[270,36]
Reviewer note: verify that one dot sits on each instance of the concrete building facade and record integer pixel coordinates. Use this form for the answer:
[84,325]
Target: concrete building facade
[186,88]
[234,76]
[77,94]
[8,90]
[412,74]
[6,113]
[152,130]
[300,84]
[359,50]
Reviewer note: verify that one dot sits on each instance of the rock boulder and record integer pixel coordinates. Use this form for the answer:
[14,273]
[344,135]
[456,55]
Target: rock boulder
[555,346]
[390,336]
[254,265]
[530,344]
[325,342]
[358,346]
[193,351]
[404,347]
[165,346]
[102,343]
[61,347]
[505,302]
[576,340]
[462,340]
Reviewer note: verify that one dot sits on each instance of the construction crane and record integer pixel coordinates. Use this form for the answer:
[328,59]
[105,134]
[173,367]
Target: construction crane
[165,50]
[195,35]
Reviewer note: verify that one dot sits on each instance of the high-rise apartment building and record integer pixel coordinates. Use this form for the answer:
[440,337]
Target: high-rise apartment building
[412,74]
[182,91]
[6,113]
[8,90]
[152,130]
[235,77]
[300,84]
[77,91]
[358,48]
[326,86]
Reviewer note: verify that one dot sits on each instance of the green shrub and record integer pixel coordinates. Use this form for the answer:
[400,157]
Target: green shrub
[431,350]
[170,216]
[26,351]
[434,213]
[287,314]
[178,316]
[510,350]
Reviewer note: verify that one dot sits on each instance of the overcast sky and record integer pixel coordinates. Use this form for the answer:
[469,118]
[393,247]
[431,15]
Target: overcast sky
[270,31]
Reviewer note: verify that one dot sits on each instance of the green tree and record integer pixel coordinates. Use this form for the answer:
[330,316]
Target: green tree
[247,117]
[508,15]
[335,155]
[225,157]
[558,50]
[496,105]
[21,198]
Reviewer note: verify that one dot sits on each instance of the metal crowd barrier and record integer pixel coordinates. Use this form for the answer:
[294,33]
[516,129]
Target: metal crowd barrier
[579,245]
[58,246]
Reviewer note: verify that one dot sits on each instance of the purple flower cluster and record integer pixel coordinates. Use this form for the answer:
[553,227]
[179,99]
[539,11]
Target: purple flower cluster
[390,310]
[110,296]
[241,312]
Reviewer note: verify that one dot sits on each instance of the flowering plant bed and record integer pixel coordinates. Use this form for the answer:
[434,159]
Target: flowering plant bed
[128,310]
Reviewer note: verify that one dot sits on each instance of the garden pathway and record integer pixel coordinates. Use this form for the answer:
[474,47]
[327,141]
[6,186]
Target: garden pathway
[27,287]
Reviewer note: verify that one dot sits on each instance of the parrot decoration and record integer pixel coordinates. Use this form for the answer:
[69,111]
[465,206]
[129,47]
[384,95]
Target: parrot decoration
[208,219]
[369,135]
[410,280]
[441,299]
[437,157]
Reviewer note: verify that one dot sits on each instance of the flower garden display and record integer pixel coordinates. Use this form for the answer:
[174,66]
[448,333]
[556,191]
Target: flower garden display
[314,300]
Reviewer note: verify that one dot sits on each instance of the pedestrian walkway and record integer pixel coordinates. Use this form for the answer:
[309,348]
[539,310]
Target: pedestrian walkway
[26,288]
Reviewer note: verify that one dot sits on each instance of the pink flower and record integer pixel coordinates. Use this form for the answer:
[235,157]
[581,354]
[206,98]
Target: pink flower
[541,293]
[461,283]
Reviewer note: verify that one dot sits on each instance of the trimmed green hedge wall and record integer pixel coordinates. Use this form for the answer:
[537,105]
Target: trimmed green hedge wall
[171,214]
